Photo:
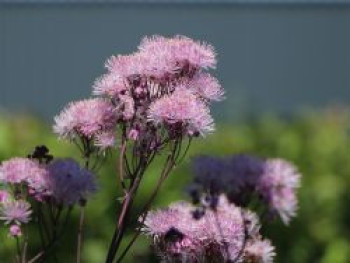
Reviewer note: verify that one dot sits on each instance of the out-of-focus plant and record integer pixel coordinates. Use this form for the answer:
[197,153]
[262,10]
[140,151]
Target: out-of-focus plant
[317,142]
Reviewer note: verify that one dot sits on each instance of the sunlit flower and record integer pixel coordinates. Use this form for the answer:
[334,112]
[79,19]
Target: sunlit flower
[183,112]
[15,212]
[207,87]
[259,251]
[110,85]
[179,49]
[85,118]
[68,183]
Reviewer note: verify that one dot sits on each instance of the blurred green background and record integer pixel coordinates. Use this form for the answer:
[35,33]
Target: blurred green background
[317,142]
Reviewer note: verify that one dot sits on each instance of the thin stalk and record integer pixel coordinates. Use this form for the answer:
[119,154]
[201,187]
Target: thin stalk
[80,233]
[80,238]
[24,254]
[19,252]
[53,242]
[166,170]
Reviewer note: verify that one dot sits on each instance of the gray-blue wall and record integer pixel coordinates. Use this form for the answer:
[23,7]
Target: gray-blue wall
[271,57]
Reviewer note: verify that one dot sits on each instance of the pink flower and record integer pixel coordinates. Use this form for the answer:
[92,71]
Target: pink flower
[182,112]
[159,59]
[68,183]
[278,186]
[4,196]
[23,170]
[259,251]
[109,84]
[16,212]
[179,49]
[85,118]
[15,231]
[207,87]
[127,65]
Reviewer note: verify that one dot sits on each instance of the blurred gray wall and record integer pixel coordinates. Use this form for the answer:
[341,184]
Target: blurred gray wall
[272,57]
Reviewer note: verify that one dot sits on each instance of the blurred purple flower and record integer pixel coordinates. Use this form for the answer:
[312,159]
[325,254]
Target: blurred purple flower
[68,183]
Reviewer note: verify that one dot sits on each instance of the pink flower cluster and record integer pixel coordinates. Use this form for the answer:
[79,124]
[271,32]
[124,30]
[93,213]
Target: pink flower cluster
[163,84]
[228,233]
[63,180]
[240,177]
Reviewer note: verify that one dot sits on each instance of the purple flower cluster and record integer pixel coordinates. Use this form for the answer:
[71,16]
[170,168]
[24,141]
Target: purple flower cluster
[242,178]
[227,234]
[63,179]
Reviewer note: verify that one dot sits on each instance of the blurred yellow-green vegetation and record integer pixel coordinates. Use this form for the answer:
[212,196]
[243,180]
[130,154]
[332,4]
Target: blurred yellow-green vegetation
[317,142]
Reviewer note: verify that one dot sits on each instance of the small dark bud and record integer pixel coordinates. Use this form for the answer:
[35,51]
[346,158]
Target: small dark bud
[173,235]
[198,214]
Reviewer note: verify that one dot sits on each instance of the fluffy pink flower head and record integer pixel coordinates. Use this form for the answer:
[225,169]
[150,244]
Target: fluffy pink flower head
[110,85]
[85,118]
[278,186]
[179,50]
[17,212]
[174,233]
[182,112]
[68,183]
[259,251]
[23,170]
[15,231]
[127,65]
[207,87]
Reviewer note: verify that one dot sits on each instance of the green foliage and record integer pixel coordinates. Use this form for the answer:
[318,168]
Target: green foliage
[318,143]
